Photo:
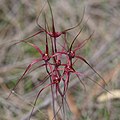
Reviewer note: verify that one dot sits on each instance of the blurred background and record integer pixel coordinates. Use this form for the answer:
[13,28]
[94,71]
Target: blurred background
[18,21]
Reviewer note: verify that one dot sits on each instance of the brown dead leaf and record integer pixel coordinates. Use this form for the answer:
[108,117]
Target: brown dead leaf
[115,94]
[50,113]
[73,107]
[97,89]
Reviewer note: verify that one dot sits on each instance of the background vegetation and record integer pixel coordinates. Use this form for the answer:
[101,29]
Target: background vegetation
[17,21]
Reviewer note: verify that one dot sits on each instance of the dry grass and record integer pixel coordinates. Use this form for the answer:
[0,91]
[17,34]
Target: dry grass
[17,20]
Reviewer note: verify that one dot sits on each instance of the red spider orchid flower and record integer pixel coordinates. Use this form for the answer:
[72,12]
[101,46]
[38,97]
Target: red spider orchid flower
[44,57]
[53,74]
[25,72]
[72,53]
[65,76]
[53,34]
[55,82]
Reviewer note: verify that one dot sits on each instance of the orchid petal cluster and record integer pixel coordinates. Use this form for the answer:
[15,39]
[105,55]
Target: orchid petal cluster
[59,63]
